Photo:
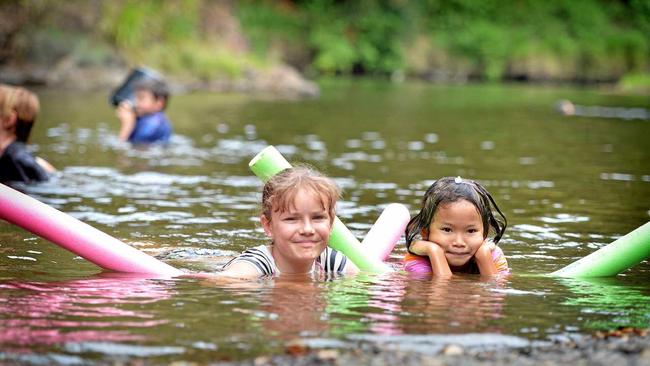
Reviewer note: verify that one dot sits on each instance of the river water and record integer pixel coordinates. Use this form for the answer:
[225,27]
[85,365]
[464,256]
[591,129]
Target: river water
[568,185]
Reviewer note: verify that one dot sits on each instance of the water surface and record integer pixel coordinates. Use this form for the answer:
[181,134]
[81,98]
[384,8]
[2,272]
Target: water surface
[568,185]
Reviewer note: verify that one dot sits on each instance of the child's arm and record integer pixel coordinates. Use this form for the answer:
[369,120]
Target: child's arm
[126,115]
[484,259]
[49,168]
[241,270]
[439,265]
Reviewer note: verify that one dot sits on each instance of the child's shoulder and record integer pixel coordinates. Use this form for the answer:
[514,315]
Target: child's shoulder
[500,260]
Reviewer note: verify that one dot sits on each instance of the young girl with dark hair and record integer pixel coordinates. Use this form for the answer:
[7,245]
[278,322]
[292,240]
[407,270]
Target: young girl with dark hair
[451,231]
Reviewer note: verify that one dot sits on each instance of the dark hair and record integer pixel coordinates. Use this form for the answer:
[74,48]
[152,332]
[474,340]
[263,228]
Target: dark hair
[157,87]
[448,190]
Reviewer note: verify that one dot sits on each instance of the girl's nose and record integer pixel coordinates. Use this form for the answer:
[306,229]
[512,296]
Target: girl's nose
[307,227]
[458,241]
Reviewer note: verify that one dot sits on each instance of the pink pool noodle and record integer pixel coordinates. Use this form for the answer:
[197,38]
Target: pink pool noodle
[76,236]
[386,231]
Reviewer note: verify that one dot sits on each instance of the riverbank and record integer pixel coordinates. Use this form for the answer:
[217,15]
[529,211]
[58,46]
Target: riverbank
[279,81]
[86,46]
[266,47]
[620,347]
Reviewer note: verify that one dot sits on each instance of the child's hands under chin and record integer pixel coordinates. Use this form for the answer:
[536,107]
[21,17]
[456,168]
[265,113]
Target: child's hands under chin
[436,254]
[483,258]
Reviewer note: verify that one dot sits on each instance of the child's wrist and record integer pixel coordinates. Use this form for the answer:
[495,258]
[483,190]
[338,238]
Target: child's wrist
[484,252]
[420,247]
[434,249]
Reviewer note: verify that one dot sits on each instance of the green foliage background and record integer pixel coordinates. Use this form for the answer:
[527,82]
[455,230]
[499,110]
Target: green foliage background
[578,40]
[490,39]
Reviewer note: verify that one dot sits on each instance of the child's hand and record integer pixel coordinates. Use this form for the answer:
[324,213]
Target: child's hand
[439,264]
[126,115]
[125,110]
[484,260]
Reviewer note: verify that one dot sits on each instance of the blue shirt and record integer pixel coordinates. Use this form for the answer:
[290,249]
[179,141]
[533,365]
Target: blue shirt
[150,128]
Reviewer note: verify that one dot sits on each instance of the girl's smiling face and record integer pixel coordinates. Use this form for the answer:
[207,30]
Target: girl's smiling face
[457,228]
[300,233]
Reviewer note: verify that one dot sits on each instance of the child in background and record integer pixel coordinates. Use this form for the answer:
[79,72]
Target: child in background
[145,122]
[298,209]
[454,222]
[18,110]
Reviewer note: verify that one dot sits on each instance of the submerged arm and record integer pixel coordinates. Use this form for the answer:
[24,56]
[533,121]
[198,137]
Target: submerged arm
[49,168]
[240,270]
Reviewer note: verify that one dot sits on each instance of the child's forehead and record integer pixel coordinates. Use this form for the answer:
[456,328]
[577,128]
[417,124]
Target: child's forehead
[449,204]
[300,196]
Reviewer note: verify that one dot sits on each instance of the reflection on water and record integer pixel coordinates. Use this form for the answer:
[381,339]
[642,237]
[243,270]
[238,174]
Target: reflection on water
[406,304]
[456,306]
[623,303]
[45,313]
[568,187]
[294,306]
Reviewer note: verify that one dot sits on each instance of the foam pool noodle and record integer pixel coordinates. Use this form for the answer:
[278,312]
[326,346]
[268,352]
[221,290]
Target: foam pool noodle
[76,236]
[612,259]
[269,162]
[384,234]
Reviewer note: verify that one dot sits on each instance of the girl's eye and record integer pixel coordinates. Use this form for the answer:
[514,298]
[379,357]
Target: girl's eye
[446,229]
[472,231]
[289,219]
[320,217]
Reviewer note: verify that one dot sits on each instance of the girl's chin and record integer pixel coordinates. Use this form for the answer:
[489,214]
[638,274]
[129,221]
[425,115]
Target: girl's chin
[457,264]
[310,254]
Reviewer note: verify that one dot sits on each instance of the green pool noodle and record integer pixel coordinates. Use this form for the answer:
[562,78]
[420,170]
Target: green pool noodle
[268,163]
[612,259]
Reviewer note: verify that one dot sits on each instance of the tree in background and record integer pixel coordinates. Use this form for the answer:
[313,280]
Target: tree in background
[444,40]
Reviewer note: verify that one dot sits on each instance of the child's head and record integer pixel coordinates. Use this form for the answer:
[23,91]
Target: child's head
[18,110]
[449,190]
[151,96]
[280,191]
[298,206]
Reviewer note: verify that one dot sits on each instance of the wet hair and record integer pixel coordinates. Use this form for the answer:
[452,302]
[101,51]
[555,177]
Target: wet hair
[26,106]
[280,191]
[157,87]
[448,190]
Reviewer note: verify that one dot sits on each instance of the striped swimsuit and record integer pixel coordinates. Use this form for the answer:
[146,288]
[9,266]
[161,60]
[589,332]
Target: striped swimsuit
[330,261]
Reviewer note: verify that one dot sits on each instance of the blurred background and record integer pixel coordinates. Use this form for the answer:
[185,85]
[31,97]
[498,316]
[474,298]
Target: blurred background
[260,45]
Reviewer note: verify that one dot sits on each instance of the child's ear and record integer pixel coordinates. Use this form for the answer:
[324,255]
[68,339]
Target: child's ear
[160,103]
[425,233]
[266,225]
